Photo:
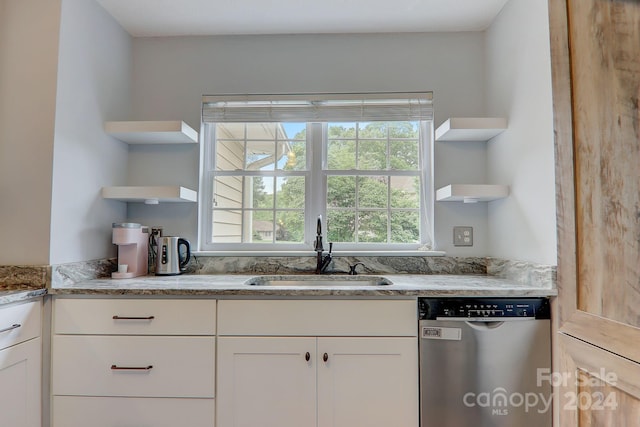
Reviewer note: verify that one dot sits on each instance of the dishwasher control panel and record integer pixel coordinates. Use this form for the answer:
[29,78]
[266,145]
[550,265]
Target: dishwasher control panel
[478,308]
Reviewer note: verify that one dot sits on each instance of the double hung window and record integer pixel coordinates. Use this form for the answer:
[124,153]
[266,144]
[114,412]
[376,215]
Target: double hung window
[271,165]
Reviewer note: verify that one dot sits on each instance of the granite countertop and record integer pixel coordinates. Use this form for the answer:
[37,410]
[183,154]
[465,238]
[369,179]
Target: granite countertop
[403,285]
[11,296]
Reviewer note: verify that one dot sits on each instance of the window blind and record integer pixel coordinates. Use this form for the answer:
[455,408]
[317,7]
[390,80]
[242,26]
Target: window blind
[385,106]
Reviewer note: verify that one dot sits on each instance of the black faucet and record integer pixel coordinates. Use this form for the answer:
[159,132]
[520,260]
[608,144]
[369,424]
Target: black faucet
[352,268]
[323,260]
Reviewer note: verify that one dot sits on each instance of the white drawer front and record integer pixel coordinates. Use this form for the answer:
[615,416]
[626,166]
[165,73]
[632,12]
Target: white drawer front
[134,316]
[20,322]
[164,366]
[318,317]
[120,411]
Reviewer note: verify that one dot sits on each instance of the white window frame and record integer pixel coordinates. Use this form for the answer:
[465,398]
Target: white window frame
[316,178]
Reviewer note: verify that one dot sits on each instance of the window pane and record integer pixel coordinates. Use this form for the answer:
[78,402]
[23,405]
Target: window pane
[405,227]
[404,155]
[261,192]
[296,131]
[227,226]
[372,130]
[261,230]
[372,155]
[290,227]
[260,155]
[341,154]
[372,226]
[264,131]
[341,226]
[403,130]
[290,192]
[341,191]
[227,191]
[229,155]
[372,192]
[342,130]
[405,192]
[292,155]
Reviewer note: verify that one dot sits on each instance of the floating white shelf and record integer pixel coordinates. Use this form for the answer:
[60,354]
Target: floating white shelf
[470,128]
[150,195]
[152,132]
[471,193]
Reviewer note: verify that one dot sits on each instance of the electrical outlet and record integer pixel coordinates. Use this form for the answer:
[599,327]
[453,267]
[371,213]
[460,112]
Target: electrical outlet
[462,236]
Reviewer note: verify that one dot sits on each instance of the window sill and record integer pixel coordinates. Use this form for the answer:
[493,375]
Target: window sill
[311,253]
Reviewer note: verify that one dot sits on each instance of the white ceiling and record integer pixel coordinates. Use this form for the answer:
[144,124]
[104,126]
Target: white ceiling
[146,18]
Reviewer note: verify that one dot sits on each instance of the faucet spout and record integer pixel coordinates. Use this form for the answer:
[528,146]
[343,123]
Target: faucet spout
[323,261]
[318,247]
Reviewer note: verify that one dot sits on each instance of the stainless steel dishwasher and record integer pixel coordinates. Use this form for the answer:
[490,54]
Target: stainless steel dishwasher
[485,362]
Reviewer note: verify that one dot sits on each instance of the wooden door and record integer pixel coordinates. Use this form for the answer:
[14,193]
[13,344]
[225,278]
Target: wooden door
[369,382]
[595,49]
[266,382]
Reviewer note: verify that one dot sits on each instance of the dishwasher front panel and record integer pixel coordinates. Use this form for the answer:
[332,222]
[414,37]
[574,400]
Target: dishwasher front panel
[485,373]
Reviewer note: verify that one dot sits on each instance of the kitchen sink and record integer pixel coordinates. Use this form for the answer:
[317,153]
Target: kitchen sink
[319,280]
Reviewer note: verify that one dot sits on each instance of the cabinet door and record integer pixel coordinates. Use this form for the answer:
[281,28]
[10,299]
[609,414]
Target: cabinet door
[596,92]
[369,382]
[20,373]
[266,382]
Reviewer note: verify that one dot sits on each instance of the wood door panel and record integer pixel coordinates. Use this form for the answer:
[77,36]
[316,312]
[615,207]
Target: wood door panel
[596,387]
[595,47]
[605,74]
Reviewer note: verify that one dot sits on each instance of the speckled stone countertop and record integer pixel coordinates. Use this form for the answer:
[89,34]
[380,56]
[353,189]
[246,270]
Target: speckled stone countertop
[11,296]
[403,285]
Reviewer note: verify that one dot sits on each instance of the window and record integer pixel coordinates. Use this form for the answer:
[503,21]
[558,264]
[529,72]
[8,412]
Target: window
[271,166]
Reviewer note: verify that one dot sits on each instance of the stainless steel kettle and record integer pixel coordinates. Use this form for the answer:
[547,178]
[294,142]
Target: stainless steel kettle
[169,260]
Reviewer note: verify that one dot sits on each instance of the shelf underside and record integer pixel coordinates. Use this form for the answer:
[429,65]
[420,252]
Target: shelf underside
[150,194]
[471,193]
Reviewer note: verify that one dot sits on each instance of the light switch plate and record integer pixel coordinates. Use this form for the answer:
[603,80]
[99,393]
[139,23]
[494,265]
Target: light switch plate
[462,236]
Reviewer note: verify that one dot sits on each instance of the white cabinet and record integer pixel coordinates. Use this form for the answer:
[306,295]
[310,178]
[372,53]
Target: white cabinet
[367,381]
[266,381]
[269,377]
[20,365]
[133,362]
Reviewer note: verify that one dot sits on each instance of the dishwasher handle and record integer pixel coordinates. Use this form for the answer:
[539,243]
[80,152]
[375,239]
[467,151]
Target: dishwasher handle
[485,319]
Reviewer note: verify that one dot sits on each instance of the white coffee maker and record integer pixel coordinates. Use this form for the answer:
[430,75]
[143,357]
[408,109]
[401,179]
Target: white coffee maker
[133,249]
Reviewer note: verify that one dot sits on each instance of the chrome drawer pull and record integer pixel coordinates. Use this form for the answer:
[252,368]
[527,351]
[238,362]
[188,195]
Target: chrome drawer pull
[10,328]
[131,368]
[116,317]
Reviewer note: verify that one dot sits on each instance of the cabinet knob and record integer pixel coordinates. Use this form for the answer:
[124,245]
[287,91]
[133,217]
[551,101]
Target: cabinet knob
[307,356]
[325,357]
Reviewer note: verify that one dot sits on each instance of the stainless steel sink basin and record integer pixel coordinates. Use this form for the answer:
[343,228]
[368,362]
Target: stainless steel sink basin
[319,280]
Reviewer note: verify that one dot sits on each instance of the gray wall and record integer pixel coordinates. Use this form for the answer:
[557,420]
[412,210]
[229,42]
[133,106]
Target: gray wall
[51,209]
[28,63]
[171,74]
[94,75]
[522,226]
